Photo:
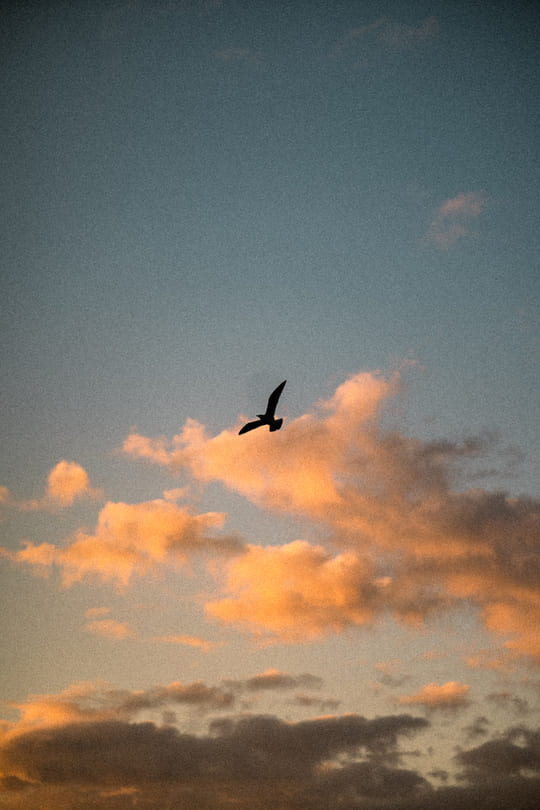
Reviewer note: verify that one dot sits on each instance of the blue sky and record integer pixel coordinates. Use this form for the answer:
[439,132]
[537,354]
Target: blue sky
[201,199]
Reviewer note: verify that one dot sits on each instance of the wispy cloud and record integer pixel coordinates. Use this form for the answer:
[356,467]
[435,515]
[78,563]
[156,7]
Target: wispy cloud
[109,628]
[385,36]
[452,218]
[189,641]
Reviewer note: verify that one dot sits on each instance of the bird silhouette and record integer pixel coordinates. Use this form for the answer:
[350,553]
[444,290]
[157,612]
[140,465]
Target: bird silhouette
[268,417]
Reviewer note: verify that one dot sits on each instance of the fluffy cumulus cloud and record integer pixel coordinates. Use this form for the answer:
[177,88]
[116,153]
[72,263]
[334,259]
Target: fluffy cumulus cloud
[130,539]
[406,535]
[297,591]
[452,218]
[67,482]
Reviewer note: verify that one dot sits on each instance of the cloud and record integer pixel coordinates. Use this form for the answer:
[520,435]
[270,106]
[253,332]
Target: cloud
[67,482]
[189,641]
[109,628]
[276,679]
[296,592]
[390,673]
[450,695]
[451,219]
[515,753]
[237,753]
[506,700]
[95,613]
[130,539]
[90,741]
[90,702]
[284,471]
[406,536]
[385,37]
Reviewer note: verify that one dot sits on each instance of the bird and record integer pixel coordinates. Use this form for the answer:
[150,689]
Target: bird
[268,417]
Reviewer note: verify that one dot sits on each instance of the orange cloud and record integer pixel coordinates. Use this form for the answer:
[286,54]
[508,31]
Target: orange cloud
[379,495]
[451,218]
[190,641]
[450,695]
[109,628]
[130,539]
[91,702]
[66,483]
[296,592]
[294,470]
[95,613]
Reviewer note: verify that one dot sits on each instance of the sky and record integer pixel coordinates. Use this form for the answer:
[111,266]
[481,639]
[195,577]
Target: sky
[201,199]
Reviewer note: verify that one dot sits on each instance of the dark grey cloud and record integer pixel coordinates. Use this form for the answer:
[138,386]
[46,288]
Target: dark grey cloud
[478,728]
[257,761]
[514,754]
[116,754]
[506,700]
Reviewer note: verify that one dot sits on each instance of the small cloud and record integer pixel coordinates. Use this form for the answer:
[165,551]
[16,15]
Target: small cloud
[95,613]
[67,482]
[402,36]
[506,700]
[177,494]
[450,695]
[275,679]
[322,704]
[385,36]
[189,641]
[451,220]
[390,673]
[110,628]
[479,728]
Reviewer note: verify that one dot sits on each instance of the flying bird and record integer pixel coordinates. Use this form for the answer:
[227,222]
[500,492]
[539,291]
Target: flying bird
[267,418]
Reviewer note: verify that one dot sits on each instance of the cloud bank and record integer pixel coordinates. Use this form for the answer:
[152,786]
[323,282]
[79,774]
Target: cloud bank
[94,741]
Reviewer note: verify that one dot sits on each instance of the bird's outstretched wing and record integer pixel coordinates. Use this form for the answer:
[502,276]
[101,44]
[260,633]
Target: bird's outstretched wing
[250,426]
[273,399]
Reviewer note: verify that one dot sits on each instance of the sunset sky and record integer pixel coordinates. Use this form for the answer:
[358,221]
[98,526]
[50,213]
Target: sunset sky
[202,198]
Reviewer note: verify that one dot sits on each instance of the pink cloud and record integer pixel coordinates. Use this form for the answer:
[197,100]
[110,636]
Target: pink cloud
[451,219]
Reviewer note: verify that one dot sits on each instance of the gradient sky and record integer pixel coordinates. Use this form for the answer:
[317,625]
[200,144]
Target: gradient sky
[200,199]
